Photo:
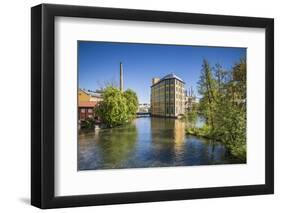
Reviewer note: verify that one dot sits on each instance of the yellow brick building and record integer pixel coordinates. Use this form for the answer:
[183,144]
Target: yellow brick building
[168,96]
[83,96]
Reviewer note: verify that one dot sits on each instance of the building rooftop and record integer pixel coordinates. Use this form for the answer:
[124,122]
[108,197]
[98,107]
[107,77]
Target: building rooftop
[87,104]
[170,76]
[92,93]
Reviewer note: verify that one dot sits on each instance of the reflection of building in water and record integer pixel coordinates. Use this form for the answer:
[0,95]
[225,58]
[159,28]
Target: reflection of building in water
[168,129]
[167,96]
[179,131]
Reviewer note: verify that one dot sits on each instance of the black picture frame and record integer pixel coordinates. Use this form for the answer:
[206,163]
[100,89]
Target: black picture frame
[43,102]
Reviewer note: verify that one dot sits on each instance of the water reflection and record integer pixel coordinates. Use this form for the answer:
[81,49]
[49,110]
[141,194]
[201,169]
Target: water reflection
[147,142]
[107,148]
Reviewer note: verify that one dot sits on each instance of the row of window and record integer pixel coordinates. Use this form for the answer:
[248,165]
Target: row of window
[179,83]
[167,99]
[162,92]
[83,110]
[166,82]
[179,96]
[170,82]
[179,102]
[162,96]
[169,110]
[179,90]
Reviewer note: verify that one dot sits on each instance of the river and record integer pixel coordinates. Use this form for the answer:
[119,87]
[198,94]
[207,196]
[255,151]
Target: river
[147,142]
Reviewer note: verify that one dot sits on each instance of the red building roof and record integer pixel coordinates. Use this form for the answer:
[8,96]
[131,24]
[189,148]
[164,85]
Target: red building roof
[87,103]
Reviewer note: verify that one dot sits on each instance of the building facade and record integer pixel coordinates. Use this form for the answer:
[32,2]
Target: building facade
[86,110]
[190,100]
[168,96]
[87,100]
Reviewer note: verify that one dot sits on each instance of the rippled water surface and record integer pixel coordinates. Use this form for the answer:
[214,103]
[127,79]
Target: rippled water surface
[147,142]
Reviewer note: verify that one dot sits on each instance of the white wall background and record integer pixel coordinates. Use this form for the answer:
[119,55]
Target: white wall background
[15,105]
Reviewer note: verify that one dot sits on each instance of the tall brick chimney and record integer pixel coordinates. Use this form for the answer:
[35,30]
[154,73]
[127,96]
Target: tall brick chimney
[121,77]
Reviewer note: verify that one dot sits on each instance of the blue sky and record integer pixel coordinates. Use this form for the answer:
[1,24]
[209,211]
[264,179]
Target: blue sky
[98,62]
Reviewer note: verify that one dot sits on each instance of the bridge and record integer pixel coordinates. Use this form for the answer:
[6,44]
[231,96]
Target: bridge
[143,114]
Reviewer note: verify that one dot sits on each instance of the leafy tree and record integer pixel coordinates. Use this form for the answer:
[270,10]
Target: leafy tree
[239,71]
[117,107]
[239,74]
[132,103]
[221,76]
[113,110]
[192,116]
[206,88]
[223,105]
[233,109]
[87,123]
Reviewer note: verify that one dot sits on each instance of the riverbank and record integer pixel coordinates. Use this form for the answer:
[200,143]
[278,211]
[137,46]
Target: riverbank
[201,132]
[237,150]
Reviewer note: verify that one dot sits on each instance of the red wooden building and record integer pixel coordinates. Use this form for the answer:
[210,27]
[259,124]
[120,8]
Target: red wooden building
[85,109]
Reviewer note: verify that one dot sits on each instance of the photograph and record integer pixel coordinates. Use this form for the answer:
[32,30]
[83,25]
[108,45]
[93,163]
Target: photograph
[160,105]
